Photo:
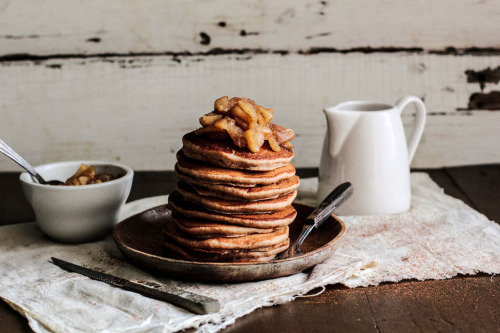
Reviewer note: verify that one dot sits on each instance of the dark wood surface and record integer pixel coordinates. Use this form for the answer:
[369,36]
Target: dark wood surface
[460,304]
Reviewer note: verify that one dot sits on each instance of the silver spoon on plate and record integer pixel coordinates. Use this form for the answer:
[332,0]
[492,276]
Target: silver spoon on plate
[9,152]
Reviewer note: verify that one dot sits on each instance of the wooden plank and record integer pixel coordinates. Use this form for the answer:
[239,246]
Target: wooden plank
[452,139]
[461,303]
[11,321]
[127,26]
[337,309]
[135,109]
[481,186]
[151,184]
[446,182]
[13,206]
[468,304]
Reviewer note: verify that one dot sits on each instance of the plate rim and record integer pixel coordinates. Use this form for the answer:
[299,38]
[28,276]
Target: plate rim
[329,244]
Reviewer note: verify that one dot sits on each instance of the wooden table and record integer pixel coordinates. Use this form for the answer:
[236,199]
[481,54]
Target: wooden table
[460,304]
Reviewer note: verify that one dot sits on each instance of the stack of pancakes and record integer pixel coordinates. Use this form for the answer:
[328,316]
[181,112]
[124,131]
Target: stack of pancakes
[230,204]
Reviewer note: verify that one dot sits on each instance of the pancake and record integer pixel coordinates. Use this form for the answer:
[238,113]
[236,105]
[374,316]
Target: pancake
[245,193]
[224,153]
[234,256]
[235,207]
[211,174]
[203,229]
[218,244]
[233,201]
[276,219]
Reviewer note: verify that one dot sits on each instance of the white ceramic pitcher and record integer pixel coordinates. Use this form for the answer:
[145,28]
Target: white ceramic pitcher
[365,144]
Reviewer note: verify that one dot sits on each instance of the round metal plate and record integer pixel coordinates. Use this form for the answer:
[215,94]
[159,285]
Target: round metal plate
[140,238]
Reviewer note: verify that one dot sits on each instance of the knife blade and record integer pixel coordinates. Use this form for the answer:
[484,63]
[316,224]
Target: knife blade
[190,301]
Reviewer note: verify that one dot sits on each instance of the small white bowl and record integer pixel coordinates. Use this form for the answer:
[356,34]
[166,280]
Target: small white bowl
[77,214]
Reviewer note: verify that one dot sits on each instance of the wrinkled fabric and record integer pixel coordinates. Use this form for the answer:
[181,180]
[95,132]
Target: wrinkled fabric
[439,238]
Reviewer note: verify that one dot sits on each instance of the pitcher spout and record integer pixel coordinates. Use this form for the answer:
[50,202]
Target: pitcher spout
[339,126]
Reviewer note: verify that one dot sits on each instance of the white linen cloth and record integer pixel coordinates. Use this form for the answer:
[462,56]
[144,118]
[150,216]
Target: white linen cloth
[439,238]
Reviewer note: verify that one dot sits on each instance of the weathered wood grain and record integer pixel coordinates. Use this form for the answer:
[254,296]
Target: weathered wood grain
[338,309]
[480,184]
[125,79]
[459,304]
[89,27]
[462,304]
[12,321]
[448,183]
[13,206]
[135,109]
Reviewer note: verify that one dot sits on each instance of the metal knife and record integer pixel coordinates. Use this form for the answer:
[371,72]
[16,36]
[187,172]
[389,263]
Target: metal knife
[193,302]
[333,200]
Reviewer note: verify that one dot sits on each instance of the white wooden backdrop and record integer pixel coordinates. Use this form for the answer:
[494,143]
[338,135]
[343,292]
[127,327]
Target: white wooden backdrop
[123,80]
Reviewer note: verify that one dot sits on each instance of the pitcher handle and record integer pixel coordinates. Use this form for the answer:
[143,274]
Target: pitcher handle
[418,128]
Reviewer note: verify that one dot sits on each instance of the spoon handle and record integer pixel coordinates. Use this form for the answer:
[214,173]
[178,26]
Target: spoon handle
[9,152]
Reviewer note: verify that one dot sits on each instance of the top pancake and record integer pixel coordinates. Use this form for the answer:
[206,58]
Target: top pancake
[212,174]
[226,154]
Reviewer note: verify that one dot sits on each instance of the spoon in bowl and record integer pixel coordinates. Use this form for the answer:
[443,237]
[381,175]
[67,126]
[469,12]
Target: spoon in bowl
[10,153]
[336,198]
